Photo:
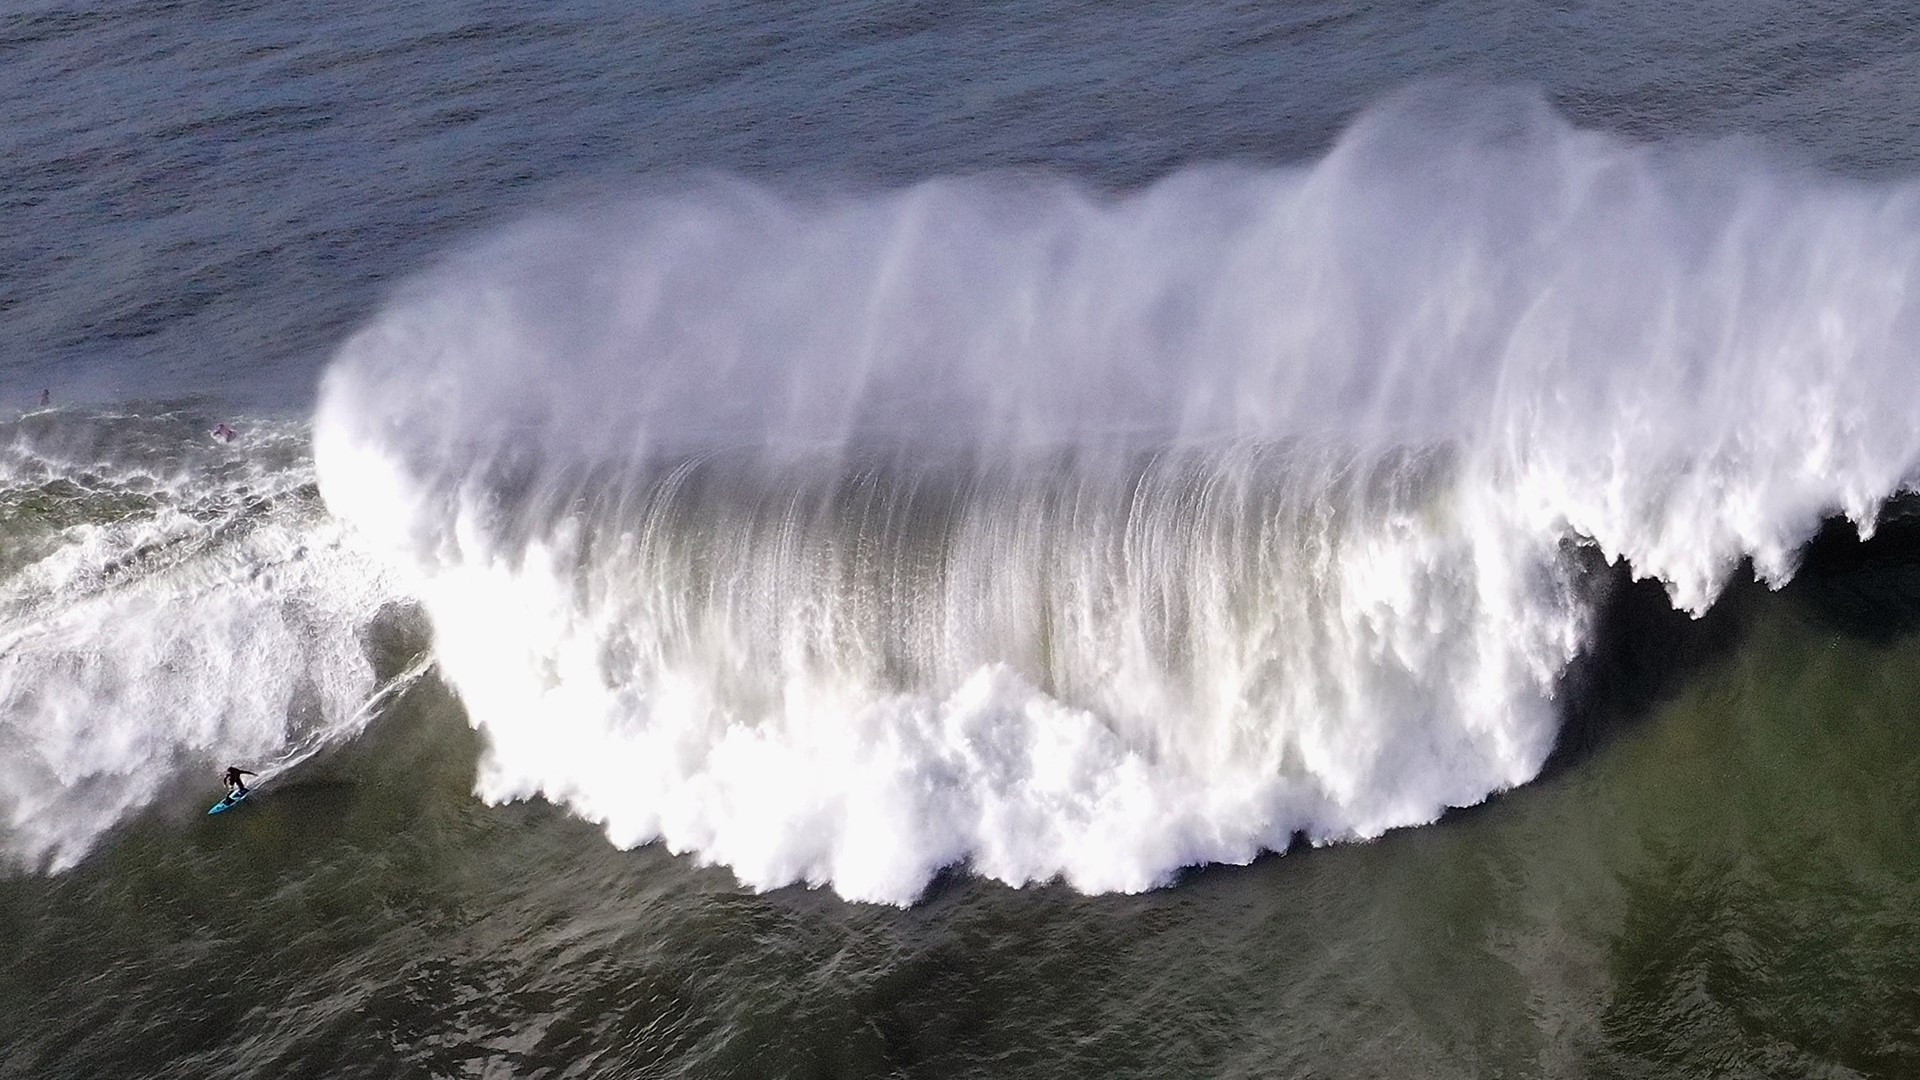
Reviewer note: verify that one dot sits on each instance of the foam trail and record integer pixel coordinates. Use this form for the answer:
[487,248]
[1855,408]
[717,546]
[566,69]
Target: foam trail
[323,738]
[166,606]
[993,521]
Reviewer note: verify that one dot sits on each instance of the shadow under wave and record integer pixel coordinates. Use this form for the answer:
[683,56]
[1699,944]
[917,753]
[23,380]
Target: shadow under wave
[1643,651]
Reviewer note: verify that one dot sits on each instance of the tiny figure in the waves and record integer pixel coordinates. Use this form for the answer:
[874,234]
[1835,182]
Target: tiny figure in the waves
[237,787]
[46,398]
[223,432]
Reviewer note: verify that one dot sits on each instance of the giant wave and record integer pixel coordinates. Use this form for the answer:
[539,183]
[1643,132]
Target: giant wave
[1057,533]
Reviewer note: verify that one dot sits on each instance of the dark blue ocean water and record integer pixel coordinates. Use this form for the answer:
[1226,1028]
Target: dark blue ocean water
[203,198]
[200,201]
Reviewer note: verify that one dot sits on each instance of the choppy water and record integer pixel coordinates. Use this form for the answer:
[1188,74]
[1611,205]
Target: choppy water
[754,538]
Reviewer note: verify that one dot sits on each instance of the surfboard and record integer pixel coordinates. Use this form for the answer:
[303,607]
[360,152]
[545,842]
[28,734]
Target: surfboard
[230,802]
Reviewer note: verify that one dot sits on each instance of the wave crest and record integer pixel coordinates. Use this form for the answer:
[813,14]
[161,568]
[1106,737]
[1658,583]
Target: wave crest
[998,521]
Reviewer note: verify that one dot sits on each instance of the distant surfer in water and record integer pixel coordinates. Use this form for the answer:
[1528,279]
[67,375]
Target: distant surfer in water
[237,787]
[223,432]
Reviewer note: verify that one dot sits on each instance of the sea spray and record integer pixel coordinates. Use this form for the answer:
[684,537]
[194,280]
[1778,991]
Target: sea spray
[1001,522]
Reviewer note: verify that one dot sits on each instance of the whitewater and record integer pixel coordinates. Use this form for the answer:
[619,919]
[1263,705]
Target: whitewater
[1002,522]
[169,602]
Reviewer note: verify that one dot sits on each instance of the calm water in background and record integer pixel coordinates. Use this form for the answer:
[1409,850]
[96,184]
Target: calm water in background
[199,201]
[203,198]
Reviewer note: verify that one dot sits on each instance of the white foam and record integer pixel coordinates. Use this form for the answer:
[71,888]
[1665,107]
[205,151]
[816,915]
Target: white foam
[1001,523]
[174,609]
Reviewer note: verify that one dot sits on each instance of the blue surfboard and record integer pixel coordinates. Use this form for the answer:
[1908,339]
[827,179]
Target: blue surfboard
[230,802]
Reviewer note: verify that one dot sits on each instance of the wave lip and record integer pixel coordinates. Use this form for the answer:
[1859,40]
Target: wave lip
[997,522]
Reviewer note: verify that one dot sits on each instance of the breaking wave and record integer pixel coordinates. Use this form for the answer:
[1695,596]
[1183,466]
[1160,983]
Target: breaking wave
[1002,522]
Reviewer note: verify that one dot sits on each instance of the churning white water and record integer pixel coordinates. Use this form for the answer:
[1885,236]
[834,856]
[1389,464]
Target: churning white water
[1001,522]
[167,605]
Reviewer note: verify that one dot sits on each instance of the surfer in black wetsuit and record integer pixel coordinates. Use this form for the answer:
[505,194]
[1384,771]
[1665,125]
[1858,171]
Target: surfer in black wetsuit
[237,787]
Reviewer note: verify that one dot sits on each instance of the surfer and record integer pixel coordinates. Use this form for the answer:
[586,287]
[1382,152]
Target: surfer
[237,787]
[223,433]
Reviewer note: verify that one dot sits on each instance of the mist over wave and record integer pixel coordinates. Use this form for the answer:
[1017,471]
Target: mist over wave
[841,538]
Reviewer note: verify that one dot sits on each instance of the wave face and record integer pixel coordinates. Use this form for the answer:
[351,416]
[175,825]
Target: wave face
[167,604]
[996,521]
